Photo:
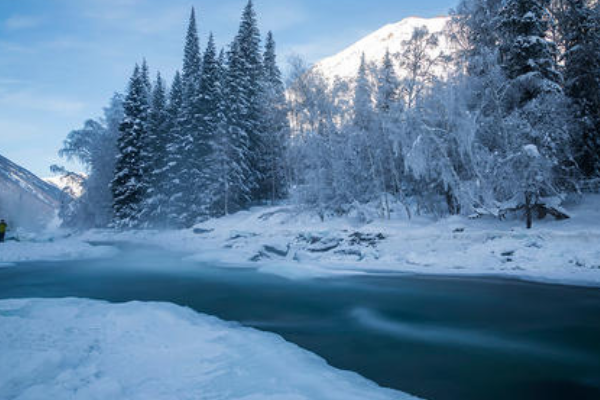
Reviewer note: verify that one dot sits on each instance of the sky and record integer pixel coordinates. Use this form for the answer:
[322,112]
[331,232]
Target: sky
[61,60]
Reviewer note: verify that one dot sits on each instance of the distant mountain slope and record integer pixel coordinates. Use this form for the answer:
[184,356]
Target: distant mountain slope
[346,63]
[25,199]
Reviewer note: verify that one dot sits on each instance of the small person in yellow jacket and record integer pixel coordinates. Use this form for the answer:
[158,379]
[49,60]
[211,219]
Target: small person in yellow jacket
[3,227]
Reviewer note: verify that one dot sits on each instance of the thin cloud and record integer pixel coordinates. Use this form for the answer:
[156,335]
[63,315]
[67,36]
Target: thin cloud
[127,16]
[283,15]
[36,101]
[17,130]
[275,15]
[17,22]
[320,48]
[12,47]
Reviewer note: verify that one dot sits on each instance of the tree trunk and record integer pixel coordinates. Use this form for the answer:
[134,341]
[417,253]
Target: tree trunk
[528,210]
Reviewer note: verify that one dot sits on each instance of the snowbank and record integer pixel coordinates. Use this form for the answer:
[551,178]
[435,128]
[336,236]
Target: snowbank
[50,249]
[83,349]
[292,243]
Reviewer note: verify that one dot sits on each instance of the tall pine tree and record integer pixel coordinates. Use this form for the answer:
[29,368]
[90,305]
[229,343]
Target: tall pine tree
[527,56]
[173,183]
[363,103]
[211,115]
[240,127]
[245,67]
[228,149]
[189,121]
[128,184]
[275,126]
[388,85]
[154,153]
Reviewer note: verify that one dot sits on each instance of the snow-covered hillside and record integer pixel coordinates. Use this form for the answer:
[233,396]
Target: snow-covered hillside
[346,63]
[25,199]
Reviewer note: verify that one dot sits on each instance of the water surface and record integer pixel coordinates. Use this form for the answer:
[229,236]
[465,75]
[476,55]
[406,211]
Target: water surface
[434,337]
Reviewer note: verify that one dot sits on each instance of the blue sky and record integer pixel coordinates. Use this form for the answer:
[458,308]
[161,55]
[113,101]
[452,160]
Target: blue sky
[61,60]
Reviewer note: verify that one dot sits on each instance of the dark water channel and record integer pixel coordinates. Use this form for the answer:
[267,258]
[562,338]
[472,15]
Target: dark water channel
[434,337]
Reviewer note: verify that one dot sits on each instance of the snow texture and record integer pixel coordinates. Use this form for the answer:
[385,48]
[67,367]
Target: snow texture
[82,349]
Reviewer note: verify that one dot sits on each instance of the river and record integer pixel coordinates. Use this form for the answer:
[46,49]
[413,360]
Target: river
[434,337]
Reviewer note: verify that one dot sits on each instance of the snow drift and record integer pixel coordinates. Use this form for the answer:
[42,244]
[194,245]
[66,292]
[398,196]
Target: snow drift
[83,349]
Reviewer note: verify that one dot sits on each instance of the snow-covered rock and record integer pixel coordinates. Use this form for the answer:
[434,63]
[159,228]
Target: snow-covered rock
[346,63]
[82,349]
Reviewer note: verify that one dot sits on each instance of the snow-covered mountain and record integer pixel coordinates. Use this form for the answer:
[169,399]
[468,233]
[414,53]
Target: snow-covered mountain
[346,63]
[70,184]
[25,199]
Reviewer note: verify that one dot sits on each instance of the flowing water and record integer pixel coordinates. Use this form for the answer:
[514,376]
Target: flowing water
[434,337]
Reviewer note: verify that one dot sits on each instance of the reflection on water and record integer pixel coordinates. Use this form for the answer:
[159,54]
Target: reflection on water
[438,338]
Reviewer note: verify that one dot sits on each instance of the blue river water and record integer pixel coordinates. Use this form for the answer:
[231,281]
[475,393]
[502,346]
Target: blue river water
[434,337]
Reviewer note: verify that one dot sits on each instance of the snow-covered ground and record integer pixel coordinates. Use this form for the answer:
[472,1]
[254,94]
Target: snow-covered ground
[292,243]
[83,349]
[49,247]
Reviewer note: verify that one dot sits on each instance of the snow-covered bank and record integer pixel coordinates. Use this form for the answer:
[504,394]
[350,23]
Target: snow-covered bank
[83,349]
[293,243]
[50,249]
[288,242]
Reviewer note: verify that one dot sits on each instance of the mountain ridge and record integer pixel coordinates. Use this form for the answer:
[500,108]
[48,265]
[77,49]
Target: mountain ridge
[25,199]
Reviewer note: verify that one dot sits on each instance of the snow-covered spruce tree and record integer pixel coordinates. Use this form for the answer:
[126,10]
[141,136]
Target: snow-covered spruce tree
[172,182]
[94,146]
[211,116]
[580,27]
[526,55]
[227,154]
[240,123]
[535,108]
[275,126]
[388,86]
[128,183]
[246,72]
[363,99]
[154,153]
[145,72]
[193,147]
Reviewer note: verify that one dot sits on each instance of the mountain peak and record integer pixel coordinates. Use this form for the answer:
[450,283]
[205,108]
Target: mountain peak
[345,64]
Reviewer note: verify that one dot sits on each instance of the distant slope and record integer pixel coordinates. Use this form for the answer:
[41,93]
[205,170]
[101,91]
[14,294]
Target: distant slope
[346,63]
[25,199]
